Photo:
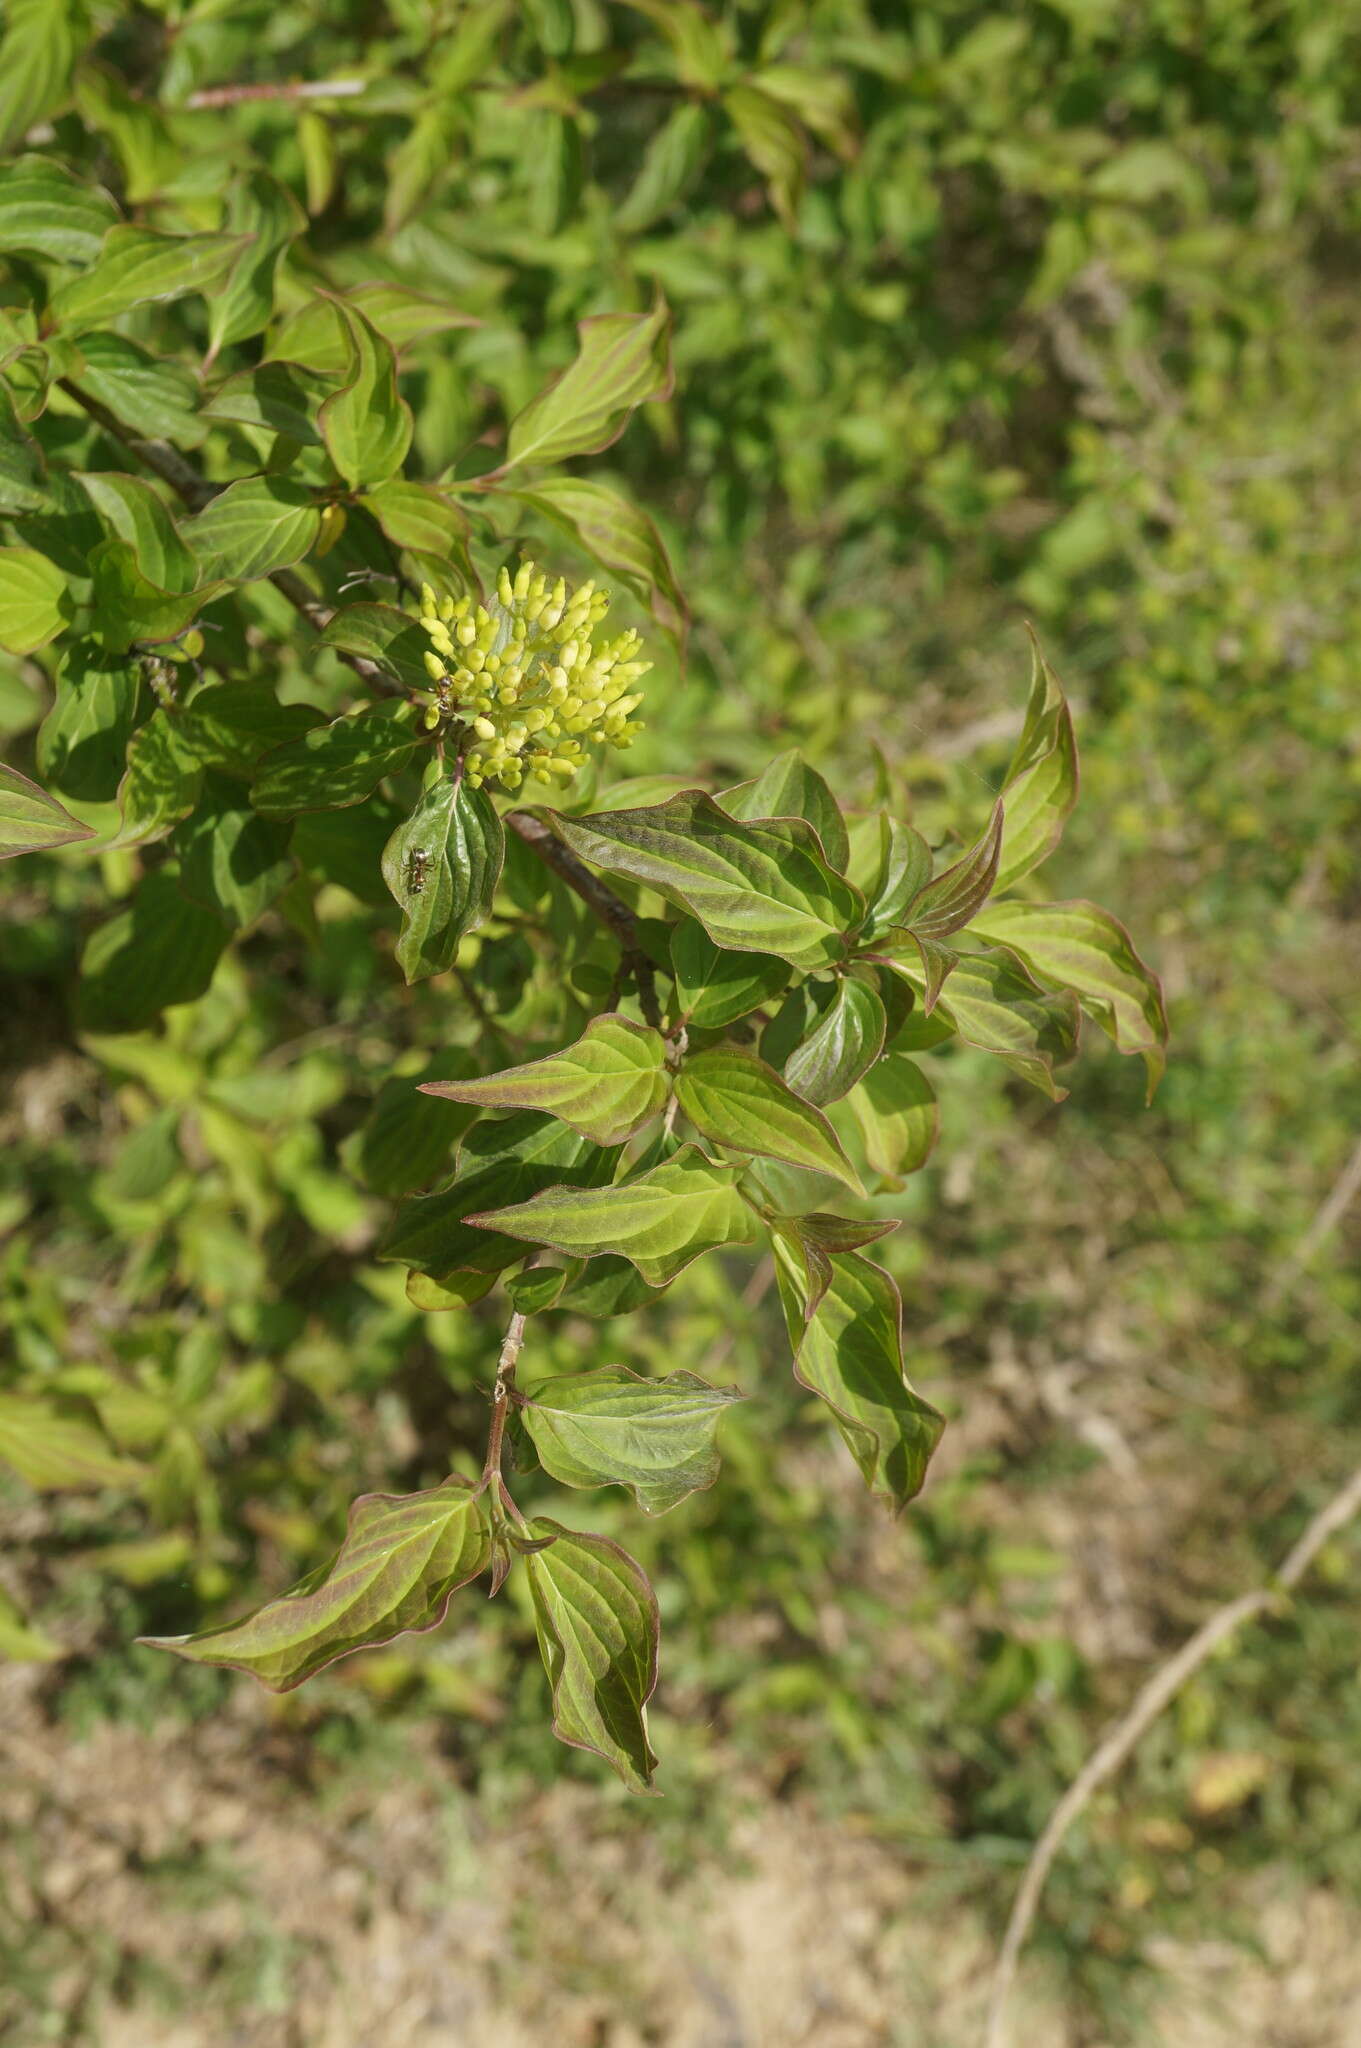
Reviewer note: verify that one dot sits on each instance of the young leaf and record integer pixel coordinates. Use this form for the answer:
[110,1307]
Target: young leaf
[948,902]
[714,986]
[139,267]
[994,1004]
[598,1630]
[843,1044]
[315,336]
[850,1352]
[890,863]
[1042,781]
[1080,946]
[442,865]
[896,1113]
[403,1557]
[45,210]
[736,1100]
[789,788]
[51,1449]
[34,603]
[31,821]
[153,396]
[268,216]
[611,1427]
[660,1220]
[504,1161]
[813,1238]
[255,526]
[366,425]
[619,535]
[161,950]
[923,960]
[607,1085]
[623,359]
[754,887]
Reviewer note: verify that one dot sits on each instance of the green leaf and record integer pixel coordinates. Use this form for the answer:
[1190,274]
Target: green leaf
[498,1162]
[754,887]
[607,1085]
[775,144]
[613,1428]
[34,602]
[315,335]
[333,766]
[843,1044]
[735,1099]
[598,1630]
[923,960]
[660,1220]
[282,398]
[52,1449]
[789,788]
[994,1004]
[1080,946]
[622,360]
[31,821]
[23,473]
[20,1643]
[366,425]
[890,863]
[254,527]
[1042,781]
[418,516]
[139,267]
[232,725]
[134,514]
[406,1141]
[896,1113]
[813,1239]
[715,987]
[161,782]
[673,159]
[849,1351]
[606,1287]
[46,210]
[161,950]
[129,607]
[36,54]
[267,217]
[381,633]
[953,898]
[83,741]
[442,865]
[403,1557]
[231,861]
[619,535]
[155,397]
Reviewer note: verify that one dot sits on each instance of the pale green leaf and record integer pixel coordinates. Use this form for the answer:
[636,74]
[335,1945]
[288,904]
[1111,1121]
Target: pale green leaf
[736,1100]
[152,395]
[1042,780]
[36,53]
[45,210]
[133,513]
[896,1113]
[598,1630]
[403,1557]
[366,425]
[34,602]
[611,1427]
[619,535]
[56,1451]
[254,527]
[283,398]
[623,359]
[139,267]
[31,821]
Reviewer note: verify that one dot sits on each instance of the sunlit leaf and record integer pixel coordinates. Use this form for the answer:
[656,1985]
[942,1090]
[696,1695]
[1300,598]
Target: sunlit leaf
[611,1427]
[737,1101]
[598,1631]
[442,865]
[31,821]
[607,1085]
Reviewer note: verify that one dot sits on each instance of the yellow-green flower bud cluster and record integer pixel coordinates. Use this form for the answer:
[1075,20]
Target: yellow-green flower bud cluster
[524,677]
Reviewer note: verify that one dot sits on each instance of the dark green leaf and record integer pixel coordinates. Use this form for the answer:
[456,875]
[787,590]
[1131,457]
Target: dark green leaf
[598,1633]
[403,1557]
[379,632]
[231,860]
[813,1239]
[366,425]
[736,1100]
[83,741]
[134,514]
[605,1287]
[23,473]
[442,865]
[281,397]
[611,1427]
[762,887]
[607,1085]
[660,1220]
[843,1044]
[789,788]
[31,821]
[407,1140]
[268,217]
[232,725]
[161,950]
[333,766]
[850,1353]
[951,899]
[715,987]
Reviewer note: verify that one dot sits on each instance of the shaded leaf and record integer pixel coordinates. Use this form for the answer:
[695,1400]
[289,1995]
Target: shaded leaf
[282,397]
[231,861]
[890,863]
[129,606]
[135,514]
[442,865]
[268,217]
[950,900]
[607,1085]
[403,1557]
[611,1427]
[789,788]
[83,741]
[406,1142]
[366,425]
[715,986]
[161,949]
[843,1044]
[598,1630]
[381,633]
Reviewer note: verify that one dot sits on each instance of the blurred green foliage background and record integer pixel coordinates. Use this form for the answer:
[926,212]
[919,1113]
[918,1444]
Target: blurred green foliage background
[981,313]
